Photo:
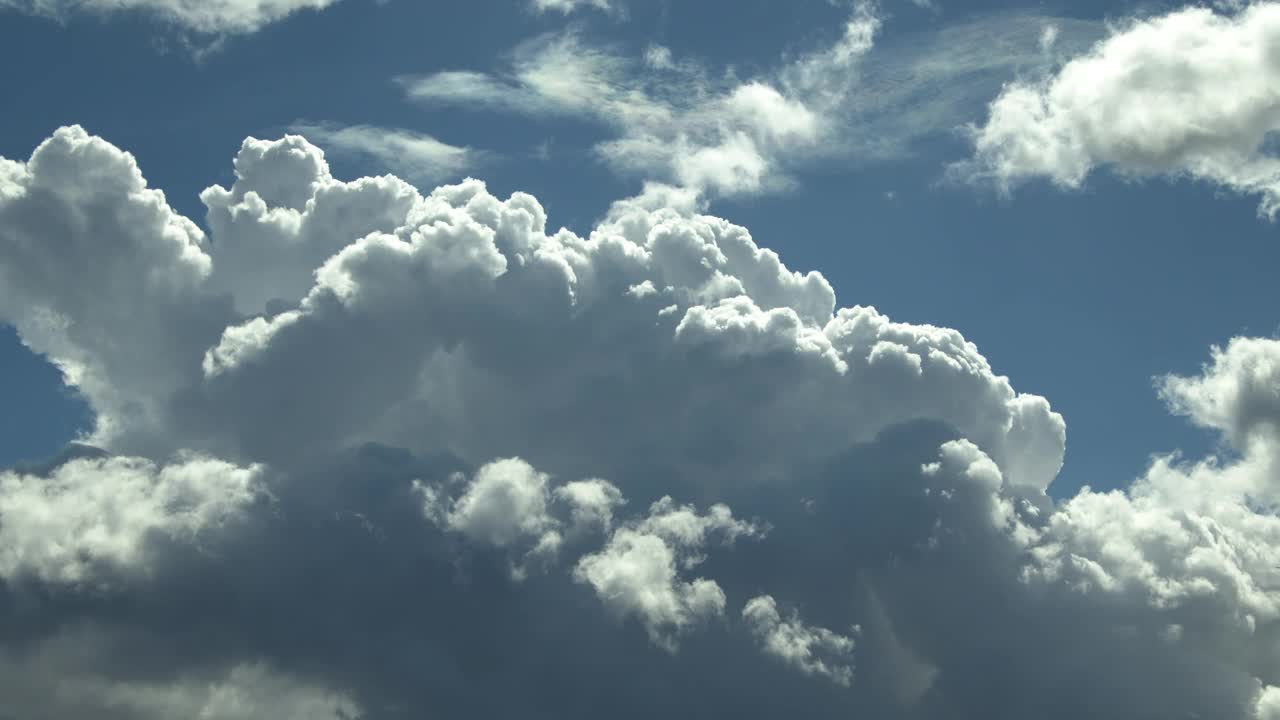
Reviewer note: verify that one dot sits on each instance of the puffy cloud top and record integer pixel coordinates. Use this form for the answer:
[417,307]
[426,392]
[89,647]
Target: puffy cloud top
[382,452]
[1192,92]
[797,644]
[89,517]
[1238,394]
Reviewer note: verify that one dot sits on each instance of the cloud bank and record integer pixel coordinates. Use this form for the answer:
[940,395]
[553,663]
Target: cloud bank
[372,452]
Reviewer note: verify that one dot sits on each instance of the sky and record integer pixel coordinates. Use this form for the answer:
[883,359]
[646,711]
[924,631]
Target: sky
[393,359]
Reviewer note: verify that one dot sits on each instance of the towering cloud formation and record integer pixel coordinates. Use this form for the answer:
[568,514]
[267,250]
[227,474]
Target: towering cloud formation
[1188,93]
[379,453]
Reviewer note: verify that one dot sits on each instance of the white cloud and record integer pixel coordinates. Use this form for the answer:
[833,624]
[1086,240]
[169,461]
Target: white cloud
[286,214]
[811,650]
[59,678]
[591,503]
[506,502]
[203,16]
[1183,94]
[1238,393]
[115,238]
[676,120]
[412,155]
[489,259]
[361,344]
[638,572]
[1048,37]
[1151,540]
[509,505]
[90,516]
[674,123]
[659,57]
[1268,704]
[666,351]
[1182,561]
[568,6]
[555,74]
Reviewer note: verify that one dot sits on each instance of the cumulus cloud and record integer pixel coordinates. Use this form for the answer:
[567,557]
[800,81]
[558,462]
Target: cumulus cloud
[811,650]
[90,513]
[429,390]
[202,16]
[722,308]
[285,214]
[306,286]
[1188,94]
[1268,704]
[637,573]
[510,505]
[1181,561]
[507,501]
[1238,394]
[111,236]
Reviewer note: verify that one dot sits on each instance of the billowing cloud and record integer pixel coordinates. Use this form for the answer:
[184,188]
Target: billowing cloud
[1268,704]
[202,16]
[1190,93]
[510,505]
[112,237]
[101,512]
[1238,393]
[811,650]
[638,571]
[334,424]
[704,307]
[285,214]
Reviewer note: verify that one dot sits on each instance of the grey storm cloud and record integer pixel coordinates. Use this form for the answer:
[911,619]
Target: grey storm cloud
[369,452]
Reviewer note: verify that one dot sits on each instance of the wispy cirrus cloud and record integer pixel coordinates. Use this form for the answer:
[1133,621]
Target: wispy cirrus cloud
[568,6]
[412,155]
[678,121]
[200,16]
[675,121]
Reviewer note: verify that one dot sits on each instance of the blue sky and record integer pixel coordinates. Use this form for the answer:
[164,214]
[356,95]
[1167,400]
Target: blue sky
[384,359]
[1081,296]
